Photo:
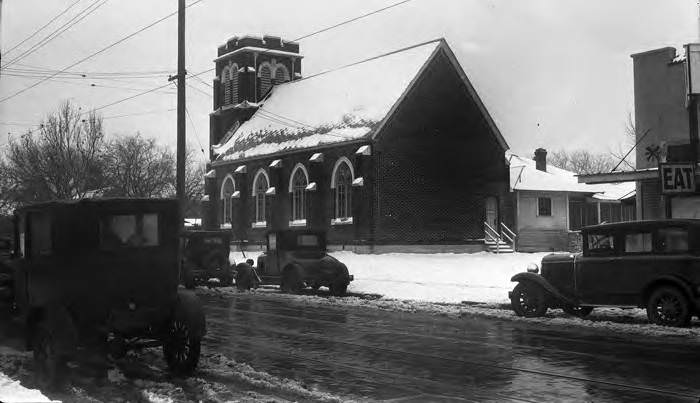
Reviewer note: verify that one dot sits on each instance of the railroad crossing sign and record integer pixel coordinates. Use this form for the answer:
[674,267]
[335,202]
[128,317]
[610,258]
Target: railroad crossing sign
[677,177]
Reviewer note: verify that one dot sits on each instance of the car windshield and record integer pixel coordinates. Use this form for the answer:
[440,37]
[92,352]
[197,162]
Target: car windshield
[129,230]
[308,240]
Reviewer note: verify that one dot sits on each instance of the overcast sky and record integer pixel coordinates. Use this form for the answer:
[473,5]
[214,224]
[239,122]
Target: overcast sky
[553,73]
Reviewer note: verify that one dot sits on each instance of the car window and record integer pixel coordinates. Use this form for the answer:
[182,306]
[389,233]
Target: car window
[307,240]
[129,230]
[601,244]
[272,242]
[40,234]
[638,242]
[673,240]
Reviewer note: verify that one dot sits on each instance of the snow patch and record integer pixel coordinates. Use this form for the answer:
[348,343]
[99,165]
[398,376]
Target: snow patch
[12,391]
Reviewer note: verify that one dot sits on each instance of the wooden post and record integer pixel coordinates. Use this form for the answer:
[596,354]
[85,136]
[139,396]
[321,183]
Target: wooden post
[181,134]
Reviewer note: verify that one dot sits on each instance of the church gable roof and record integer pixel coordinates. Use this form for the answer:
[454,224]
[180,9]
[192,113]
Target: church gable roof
[344,104]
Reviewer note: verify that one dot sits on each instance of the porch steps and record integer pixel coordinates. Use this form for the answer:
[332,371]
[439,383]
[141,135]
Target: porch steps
[498,246]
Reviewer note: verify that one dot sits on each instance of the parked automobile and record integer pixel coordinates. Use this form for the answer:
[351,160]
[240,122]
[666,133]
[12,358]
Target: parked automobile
[647,264]
[205,256]
[101,274]
[296,259]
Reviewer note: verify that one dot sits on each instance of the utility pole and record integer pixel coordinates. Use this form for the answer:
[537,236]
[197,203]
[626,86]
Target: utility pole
[181,134]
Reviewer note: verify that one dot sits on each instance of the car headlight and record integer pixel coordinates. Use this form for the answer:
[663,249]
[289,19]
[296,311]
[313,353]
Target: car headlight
[533,268]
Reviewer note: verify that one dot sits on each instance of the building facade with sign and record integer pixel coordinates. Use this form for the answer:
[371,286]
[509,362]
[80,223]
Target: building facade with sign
[666,125]
[397,150]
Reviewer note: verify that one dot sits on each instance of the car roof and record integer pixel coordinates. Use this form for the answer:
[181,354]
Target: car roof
[644,224]
[107,201]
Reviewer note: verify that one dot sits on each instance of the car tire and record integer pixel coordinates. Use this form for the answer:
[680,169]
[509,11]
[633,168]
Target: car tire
[244,277]
[577,310]
[338,288]
[188,280]
[291,281]
[46,359]
[668,306]
[181,348]
[528,300]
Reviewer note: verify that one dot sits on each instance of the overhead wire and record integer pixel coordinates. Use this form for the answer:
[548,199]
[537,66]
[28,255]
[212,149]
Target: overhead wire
[42,27]
[94,6]
[98,52]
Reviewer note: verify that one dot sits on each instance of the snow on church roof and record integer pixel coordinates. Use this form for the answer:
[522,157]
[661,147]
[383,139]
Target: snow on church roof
[347,103]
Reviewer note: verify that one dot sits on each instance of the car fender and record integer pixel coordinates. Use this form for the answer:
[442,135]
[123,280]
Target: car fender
[189,309]
[539,280]
[676,281]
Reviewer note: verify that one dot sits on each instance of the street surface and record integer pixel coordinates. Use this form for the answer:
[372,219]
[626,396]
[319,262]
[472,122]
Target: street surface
[369,354]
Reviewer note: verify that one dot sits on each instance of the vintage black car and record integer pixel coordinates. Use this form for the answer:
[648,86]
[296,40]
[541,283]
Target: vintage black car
[205,256]
[296,259]
[101,274]
[648,264]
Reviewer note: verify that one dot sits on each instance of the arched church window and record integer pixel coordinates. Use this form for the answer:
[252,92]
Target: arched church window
[227,189]
[233,83]
[225,78]
[260,185]
[281,74]
[297,187]
[342,188]
[265,79]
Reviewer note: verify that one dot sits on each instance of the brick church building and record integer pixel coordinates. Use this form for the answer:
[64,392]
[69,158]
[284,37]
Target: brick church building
[396,152]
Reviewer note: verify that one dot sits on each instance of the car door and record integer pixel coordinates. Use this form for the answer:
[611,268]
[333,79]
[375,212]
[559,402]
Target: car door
[635,266]
[596,271]
[272,262]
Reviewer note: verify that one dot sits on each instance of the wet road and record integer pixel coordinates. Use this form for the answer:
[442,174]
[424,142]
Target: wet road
[367,354]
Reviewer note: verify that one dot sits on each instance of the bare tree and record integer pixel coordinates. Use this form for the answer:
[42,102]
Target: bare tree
[624,153]
[61,160]
[194,183]
[139,167]
[582,161]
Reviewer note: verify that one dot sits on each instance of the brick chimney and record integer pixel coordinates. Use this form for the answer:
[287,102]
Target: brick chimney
[541,159]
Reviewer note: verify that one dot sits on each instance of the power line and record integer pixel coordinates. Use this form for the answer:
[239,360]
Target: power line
[58,31]
[138,113]
[144,92]
[214,68]
[44,26]
[196,135]
[351,20]
[97,53]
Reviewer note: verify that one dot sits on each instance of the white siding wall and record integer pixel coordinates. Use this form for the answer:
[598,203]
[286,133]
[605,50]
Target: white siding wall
[527,211]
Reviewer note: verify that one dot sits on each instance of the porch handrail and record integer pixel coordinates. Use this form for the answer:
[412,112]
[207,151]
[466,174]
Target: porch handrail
[508,233]
[492,235]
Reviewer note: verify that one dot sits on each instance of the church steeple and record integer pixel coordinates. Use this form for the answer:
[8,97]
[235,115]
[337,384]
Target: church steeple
[248,66]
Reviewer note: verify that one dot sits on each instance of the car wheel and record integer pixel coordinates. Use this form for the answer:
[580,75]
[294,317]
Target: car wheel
[244,277]
[528,300]
[226,280]
[180,348]
[189,282]
[338,288]
[46,359]
[668,306]
[577,310]
[291,281]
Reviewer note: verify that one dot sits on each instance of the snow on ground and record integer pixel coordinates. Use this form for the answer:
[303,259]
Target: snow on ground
[12,391]
[443,277]
[440,277]
[459,285]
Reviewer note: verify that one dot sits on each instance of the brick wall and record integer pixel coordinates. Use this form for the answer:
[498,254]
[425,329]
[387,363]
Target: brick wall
[319,211]
[438,162]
